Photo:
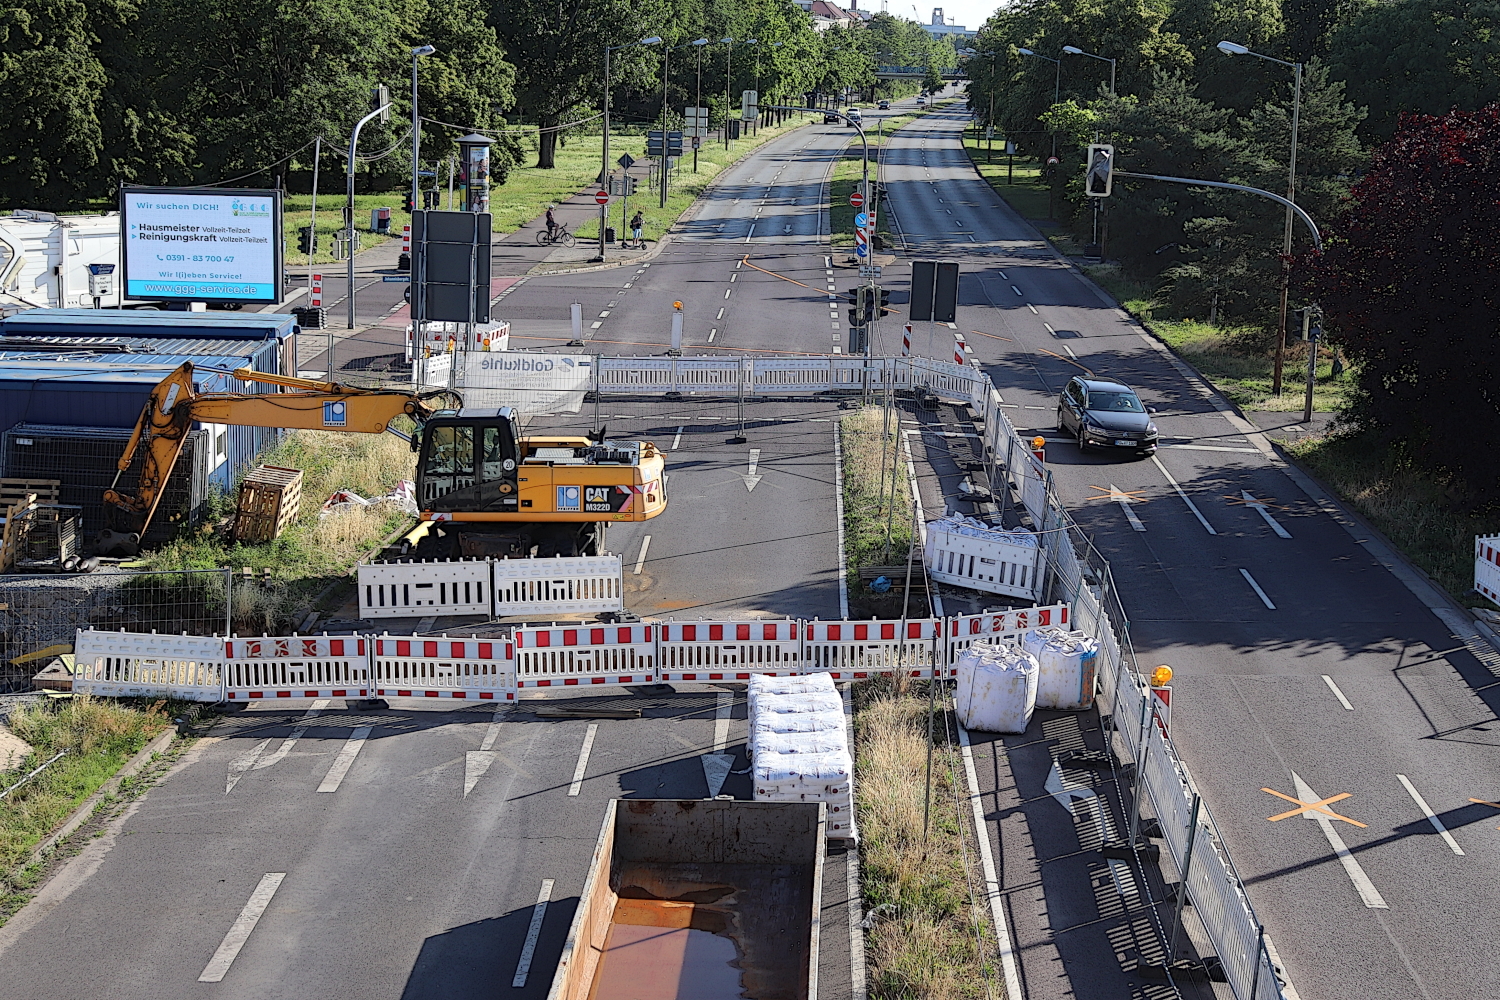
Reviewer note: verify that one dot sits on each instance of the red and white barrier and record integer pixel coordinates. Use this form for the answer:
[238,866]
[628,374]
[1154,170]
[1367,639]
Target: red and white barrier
[139,665]
[965,630]
[729,651]
[589,654]
[906,341]
[1487,566]
[296,667]
[406,241]
[444,667]
[315,295]
[855,650]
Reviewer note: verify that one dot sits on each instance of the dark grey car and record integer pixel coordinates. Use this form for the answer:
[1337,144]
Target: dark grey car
[1103,414]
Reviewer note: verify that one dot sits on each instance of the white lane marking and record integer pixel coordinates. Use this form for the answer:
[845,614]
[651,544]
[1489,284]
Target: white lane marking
[1003,277]
[493,732]
[626,285]
[1049,329]
[533,933]
[1033,309]
[676,440]
[721,720]
[1362,883]
[721,313]
[1125,500]
[604,314]
[1260,509]
[733,278]
[991,883]
[1337,693]
[973,240]
[747,238]
[240,765]
[596,324]
[1256,587]
[476,765]
[1211,447]
[1185,498]
[711,335]
[1015,289]
[345,760]
[727,291]
[291,741]
[1437,824]
[1070,352]
[239,931]
[640,560]
[739,264]
[583,758]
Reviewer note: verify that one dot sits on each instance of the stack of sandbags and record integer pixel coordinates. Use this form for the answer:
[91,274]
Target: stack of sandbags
[799,747]
[1066,663]
[996,687]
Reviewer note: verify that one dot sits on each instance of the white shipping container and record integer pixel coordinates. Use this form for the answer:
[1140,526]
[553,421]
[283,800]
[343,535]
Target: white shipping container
[45,258]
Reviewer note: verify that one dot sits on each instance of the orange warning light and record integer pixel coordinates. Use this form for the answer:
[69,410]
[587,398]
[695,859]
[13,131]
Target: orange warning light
[1161,676]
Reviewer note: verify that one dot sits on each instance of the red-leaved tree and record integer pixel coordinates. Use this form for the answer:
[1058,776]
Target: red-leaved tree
[1410,283]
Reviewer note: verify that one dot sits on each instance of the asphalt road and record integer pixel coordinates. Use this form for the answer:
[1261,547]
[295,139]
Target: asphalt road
[1270,636]
[415,875]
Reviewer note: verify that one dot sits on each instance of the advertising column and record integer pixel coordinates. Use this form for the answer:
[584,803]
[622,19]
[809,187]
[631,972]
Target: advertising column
[184,244]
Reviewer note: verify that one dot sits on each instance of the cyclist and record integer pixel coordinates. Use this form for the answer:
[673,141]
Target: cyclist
[551,223]
[636,225]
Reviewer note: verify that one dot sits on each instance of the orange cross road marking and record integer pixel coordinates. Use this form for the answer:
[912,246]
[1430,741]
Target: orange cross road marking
[1484,803]
[1302,807]
[1110,493]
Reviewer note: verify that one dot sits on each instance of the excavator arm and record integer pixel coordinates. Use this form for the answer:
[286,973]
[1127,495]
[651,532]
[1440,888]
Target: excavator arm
[174,406]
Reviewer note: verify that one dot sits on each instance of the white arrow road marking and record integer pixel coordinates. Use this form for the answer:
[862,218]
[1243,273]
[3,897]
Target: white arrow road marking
[1063,792]
[1362,883]
[1125,500]
[240,765]
[239,931]
[1437,824]
[1260,509]
[752,479]
[583,759]
[716,767]
[476,763]
[345,759]
[533,932]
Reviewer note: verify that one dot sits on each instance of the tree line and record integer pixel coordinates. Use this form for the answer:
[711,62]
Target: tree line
[1397,106]
[99,92]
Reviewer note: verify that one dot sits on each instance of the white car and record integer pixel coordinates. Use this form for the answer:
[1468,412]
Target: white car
[921,102]
[854,117]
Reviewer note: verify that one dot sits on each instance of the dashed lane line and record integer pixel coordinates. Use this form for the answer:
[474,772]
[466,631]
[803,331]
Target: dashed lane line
[239,931]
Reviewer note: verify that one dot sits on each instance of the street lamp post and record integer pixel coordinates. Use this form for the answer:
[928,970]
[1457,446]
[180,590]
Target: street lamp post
[604,158]
[728,63]
[1236,49]
[349,206]
[666,58]
[698,44]
[416,123]
[1056,85]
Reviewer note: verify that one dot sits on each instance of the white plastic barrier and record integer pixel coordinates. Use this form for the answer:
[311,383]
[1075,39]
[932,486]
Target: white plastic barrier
[1487,566]
[559,585]
[296,667]
[443,667]
[588,654]
[849,650]
[728,650]
[139,665]
[967,553]
[965,630]
[418,589]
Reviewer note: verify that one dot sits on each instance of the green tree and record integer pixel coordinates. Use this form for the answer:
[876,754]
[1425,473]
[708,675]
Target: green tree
[1419,56]
[1237,82]
[51,85]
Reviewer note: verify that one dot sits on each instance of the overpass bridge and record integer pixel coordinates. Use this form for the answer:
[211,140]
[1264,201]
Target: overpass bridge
[915,73]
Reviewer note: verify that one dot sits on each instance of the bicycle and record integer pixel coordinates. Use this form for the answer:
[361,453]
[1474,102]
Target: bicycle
[543,238]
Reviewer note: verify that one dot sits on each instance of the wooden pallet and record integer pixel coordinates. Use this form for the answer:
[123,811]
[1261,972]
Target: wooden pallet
[897,575]
[270,497]
[13,491]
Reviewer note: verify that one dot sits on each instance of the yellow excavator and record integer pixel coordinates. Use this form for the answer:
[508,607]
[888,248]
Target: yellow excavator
[483,490]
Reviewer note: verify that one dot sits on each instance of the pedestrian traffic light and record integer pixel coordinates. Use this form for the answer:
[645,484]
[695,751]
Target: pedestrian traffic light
[885,302]
[410,205]
[1099,178]
[307,240]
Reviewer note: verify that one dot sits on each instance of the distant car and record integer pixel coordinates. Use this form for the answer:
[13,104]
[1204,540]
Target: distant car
[830,118]
[1104,414]
[883,106]
[921,102]
[855,118]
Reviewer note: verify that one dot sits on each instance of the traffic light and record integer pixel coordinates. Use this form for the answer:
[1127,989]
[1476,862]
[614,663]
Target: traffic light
[307,240]
[674,143]
[630,184]
[885,302]
[380,100]
[871,305]
[860,314]
[1099,178]
[410,205]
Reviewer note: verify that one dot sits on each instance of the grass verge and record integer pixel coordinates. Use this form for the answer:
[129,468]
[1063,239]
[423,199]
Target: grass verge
[931,938]
[313,549]
[877,500]
[99,737]
[848,171]
[1405,503]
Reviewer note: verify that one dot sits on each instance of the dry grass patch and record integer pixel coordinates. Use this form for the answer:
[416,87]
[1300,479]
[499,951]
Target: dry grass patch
[877,495]
[931,938]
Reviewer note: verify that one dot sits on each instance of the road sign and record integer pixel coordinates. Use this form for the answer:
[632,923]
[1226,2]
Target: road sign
[749,105]
[625,160]
[869,271]
[862,250]
[861,220]
[857,200]
[396,278]
[1053,161]
[601,197]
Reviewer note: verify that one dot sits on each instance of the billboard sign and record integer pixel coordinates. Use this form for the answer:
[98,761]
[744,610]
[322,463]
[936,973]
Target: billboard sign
[201,244]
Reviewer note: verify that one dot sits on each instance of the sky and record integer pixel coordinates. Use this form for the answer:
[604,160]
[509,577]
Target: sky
[970,13]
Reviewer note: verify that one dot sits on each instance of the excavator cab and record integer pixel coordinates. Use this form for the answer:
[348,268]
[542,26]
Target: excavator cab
[468,461]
